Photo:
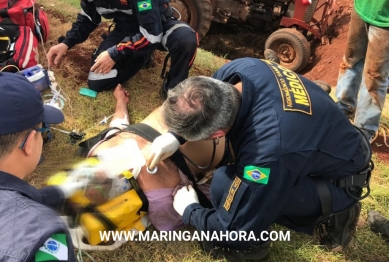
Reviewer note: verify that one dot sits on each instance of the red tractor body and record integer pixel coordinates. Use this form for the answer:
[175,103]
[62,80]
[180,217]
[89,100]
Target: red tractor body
[291,20]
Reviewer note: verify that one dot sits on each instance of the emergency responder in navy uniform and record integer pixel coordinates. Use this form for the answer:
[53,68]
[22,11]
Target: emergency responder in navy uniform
[140,26]
[297,157]
[30,229]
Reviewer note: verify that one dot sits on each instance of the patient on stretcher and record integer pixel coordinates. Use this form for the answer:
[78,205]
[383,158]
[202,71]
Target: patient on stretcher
[159,188]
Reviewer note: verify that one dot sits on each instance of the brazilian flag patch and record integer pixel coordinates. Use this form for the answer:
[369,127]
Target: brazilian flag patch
[144,5]
[257,174]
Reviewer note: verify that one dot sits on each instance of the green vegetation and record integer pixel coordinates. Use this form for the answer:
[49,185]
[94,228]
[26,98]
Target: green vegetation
[75,3]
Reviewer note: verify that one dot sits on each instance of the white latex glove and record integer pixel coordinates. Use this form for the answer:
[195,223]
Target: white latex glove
[183,198]
[162,147]
[71,185]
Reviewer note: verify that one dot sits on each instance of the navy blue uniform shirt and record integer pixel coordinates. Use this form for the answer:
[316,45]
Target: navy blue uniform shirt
[30,230]
[287,128]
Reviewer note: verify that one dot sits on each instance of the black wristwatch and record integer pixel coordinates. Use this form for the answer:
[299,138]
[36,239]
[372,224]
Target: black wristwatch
[179,138]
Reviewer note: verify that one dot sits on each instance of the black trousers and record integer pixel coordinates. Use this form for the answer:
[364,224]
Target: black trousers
[181,43]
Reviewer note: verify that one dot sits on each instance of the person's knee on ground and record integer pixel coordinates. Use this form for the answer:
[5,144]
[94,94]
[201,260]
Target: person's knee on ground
[102,82]
[122,71]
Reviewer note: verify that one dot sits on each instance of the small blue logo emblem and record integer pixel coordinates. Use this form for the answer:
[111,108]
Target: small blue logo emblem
[52,246]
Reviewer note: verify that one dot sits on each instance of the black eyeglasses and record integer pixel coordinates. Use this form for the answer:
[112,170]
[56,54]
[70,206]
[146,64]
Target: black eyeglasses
[40,130]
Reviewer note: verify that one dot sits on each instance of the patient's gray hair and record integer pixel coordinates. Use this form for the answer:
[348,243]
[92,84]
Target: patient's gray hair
[199,106]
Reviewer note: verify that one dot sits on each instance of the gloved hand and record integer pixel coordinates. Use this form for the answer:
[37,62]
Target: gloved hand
[183,198]
[162,147]
[136,170]
[71,185]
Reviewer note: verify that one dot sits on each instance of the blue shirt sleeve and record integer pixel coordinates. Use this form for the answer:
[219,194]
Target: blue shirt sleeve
[87,21]
[150,32]
[52,197]
[245,205]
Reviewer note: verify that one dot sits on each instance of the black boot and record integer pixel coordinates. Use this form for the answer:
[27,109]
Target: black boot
[341,228]
[378,224]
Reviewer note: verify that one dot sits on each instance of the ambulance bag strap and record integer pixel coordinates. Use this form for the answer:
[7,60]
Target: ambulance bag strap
[92,209]
[324,195]
[141,194]
[149,133]
[85,146]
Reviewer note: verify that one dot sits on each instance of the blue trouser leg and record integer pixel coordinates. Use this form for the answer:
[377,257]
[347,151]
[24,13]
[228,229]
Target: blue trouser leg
[350,73]
[374,81]
[304,204]
[365,69]
[180,42]
[182,45]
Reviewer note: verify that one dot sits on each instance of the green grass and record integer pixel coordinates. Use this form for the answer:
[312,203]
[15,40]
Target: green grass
[75,3]
[83,113]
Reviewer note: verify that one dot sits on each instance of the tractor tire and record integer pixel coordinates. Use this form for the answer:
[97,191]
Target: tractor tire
[291,46]
[196,13]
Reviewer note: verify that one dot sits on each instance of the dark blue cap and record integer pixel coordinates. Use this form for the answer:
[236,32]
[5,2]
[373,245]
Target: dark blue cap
[21,106]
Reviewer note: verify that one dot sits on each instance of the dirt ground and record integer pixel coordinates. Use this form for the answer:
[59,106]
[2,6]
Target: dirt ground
[233,41]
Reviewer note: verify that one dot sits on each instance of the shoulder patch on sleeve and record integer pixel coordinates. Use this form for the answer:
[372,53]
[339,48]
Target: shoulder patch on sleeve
[55,248]
[231,193]
[144,5]
[257,174]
